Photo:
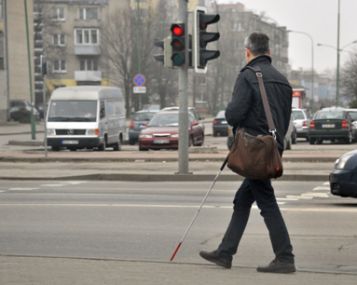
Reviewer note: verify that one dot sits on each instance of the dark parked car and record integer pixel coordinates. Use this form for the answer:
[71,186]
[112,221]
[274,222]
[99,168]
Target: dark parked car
[220,125]
[20,111]
[162,132]
[343,179]
[333,124]
[138,122]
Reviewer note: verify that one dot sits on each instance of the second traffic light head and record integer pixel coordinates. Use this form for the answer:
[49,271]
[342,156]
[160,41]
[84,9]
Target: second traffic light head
[178,44]
[201,38]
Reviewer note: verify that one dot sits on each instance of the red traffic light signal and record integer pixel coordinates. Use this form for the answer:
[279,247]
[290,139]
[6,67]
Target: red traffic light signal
[178,44]
[178,30]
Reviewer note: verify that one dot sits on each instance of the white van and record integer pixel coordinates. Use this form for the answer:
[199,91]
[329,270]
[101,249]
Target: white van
[86,117]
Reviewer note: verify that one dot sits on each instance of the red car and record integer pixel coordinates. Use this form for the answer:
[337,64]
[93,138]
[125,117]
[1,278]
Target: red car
[162,132]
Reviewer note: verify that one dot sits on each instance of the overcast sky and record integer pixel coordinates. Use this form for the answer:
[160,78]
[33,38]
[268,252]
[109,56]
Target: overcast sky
[315,17]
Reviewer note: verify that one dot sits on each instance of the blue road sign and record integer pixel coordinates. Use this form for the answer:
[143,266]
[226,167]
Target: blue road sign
[139,79]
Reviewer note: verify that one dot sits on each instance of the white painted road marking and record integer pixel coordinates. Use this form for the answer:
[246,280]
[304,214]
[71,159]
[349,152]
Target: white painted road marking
[321,188]
[52,185]
[22,189]
[290,209]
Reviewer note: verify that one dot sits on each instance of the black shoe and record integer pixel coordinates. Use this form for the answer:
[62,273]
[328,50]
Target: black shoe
[214,257]
[277,266]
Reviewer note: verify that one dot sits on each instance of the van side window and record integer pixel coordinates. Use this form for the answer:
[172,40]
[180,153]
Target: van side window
[102,109]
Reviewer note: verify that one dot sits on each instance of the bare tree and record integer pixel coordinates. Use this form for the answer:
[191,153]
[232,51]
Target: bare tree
[128,48]
[349,83]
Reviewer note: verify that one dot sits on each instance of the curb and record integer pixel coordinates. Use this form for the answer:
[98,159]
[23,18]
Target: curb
[146,159]
[169,177]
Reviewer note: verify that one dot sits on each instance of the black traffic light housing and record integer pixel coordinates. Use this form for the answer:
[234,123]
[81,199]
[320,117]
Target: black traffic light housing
[178,44]
[201,38]
[165,56]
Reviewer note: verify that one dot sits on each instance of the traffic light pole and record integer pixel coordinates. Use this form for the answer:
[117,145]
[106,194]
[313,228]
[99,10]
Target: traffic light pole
[183,99]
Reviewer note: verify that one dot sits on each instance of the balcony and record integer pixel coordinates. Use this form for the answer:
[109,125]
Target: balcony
[87,50]
[87,75]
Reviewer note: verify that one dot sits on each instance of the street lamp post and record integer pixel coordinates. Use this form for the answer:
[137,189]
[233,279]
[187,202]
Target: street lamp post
[312,57]
[338,55]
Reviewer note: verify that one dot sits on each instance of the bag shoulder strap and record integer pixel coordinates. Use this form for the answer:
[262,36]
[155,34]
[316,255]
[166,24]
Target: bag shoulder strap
[263,94]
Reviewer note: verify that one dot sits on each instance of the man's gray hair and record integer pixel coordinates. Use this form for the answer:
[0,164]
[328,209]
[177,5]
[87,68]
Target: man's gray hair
[257,43]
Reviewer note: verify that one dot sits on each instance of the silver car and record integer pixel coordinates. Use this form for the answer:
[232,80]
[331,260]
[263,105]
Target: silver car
[301,122]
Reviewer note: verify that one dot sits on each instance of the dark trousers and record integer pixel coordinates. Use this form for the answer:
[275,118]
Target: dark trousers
[262,192]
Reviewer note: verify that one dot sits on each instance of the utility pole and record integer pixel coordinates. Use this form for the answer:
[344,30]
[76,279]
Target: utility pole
[33,126]
[183,100]
[338,56]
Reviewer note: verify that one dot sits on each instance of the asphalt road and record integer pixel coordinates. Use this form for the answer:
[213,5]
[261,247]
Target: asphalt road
[144,221]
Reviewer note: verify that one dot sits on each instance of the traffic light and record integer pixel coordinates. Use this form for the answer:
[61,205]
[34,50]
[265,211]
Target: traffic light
[178,44]
[201,38]
[165,56]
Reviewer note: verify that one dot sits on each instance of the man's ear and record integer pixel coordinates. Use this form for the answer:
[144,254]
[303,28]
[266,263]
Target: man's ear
[247,54]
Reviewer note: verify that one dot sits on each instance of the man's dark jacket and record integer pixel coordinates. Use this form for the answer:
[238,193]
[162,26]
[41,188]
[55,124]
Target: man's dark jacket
[246,107]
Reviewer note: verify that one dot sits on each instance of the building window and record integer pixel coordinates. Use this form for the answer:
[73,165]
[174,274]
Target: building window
[59,66]
[88,64]
[86,36]
[88,13]
[1,9]
[59,39]
[58,13]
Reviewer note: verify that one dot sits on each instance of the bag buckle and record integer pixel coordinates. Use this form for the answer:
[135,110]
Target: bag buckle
[273,133]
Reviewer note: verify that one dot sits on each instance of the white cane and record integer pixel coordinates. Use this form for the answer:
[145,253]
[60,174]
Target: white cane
[198,211]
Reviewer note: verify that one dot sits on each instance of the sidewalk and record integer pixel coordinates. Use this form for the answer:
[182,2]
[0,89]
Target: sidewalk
[26,159]
[35,270]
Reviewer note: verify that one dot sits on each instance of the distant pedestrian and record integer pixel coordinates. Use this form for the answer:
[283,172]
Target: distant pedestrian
[246,111]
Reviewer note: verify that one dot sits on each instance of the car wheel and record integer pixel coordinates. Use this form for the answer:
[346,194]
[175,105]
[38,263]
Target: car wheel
[202,140]
[117,145]
[143,148]
[55,148]
[103,146]
[311,141]
[349,139]
[293,138]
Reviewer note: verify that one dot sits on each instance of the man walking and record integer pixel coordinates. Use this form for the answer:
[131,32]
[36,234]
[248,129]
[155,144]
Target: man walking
[246,111]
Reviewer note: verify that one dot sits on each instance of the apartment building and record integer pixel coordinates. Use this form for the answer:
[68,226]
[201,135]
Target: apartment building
[68,37]
[237,23]
[14,70]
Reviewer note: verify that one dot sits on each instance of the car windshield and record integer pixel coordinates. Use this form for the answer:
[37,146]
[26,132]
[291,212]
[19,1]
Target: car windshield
[221,115]
[353,116]
[298,115]
[329,115]
[144,116]
[73,111]
[164,120]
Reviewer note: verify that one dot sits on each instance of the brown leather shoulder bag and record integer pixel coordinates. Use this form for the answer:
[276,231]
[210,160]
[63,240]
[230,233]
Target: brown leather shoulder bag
[257,157]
